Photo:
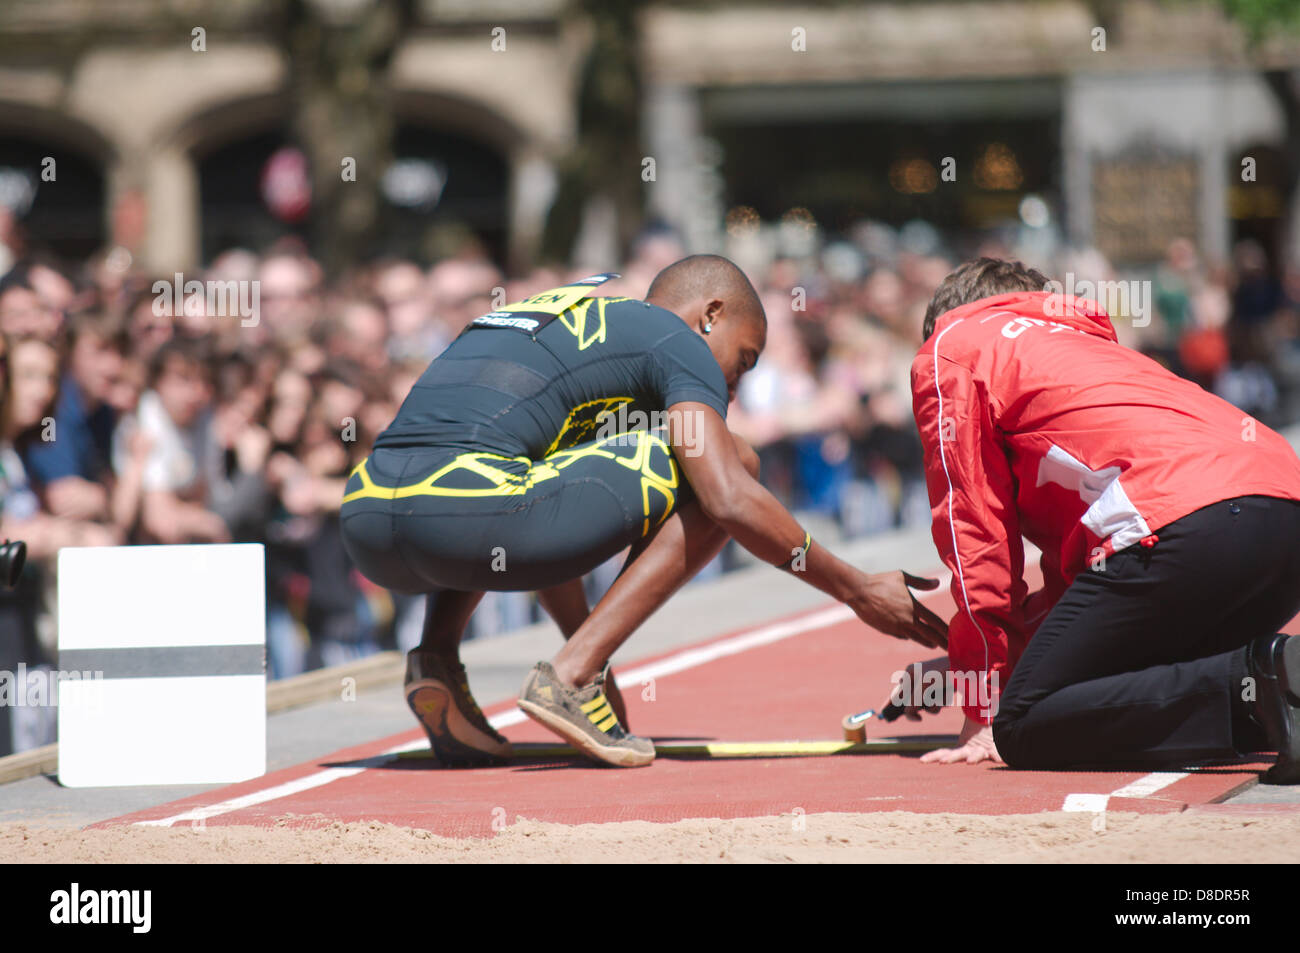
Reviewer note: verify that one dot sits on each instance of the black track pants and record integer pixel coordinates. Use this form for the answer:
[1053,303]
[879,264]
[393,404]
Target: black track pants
[1142,664]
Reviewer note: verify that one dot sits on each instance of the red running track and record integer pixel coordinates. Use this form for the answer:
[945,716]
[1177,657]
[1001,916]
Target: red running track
[796,687]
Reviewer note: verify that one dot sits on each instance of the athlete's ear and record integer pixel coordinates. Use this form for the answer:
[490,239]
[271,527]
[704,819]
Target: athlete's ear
[713,310]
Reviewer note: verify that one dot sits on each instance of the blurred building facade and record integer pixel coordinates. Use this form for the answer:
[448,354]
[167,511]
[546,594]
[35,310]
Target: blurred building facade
[1131,137]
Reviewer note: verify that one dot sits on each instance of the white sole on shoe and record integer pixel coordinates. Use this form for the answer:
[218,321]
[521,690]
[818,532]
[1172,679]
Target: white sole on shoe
[608,754]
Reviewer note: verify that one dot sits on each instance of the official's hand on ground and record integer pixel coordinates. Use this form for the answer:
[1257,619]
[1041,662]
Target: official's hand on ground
[975,744]
[886,603]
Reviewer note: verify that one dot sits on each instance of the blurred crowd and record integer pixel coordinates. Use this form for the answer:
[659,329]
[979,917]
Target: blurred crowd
[133,414]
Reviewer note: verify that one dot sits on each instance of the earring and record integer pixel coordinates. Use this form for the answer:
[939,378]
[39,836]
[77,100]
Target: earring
[708,328]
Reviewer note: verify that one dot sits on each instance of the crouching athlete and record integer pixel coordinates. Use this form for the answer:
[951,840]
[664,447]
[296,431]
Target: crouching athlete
[550,436]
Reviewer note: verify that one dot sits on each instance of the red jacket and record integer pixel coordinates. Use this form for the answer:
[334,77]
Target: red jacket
[1036,422]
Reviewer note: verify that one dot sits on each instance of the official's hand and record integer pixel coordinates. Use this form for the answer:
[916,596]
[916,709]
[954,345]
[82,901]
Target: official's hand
[886,603]
[975,744]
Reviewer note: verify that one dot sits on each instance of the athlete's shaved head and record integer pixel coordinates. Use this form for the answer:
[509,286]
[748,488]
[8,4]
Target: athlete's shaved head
[717,301]
[698,276]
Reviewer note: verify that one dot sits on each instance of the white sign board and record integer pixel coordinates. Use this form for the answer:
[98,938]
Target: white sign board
[162,664]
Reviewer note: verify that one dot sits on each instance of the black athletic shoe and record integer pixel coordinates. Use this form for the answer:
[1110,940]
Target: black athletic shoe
[437,691]
[1274,663]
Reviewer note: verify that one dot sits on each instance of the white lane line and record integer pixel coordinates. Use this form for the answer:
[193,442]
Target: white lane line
[1144,786]
[305,783]
[1149,785]
[688,658]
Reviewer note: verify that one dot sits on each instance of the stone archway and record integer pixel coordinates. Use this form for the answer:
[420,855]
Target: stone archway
[492,182]
[225,146]
[209,138]
[66,165]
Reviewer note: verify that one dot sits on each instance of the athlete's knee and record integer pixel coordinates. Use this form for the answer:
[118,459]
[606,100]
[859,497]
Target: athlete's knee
[748,455]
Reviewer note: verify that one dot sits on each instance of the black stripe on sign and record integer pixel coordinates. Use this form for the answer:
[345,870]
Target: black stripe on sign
[167,661]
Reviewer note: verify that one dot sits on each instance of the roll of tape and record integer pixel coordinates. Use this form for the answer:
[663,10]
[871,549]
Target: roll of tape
[855,732]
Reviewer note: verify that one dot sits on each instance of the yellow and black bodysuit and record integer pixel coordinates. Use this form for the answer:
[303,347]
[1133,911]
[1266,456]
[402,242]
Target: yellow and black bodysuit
[528,452]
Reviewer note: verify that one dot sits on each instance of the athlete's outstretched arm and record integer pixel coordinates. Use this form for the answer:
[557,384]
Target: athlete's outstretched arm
[753,517]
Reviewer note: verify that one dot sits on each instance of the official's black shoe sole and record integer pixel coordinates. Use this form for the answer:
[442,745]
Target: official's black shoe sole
[1274,664]
[1286,667]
